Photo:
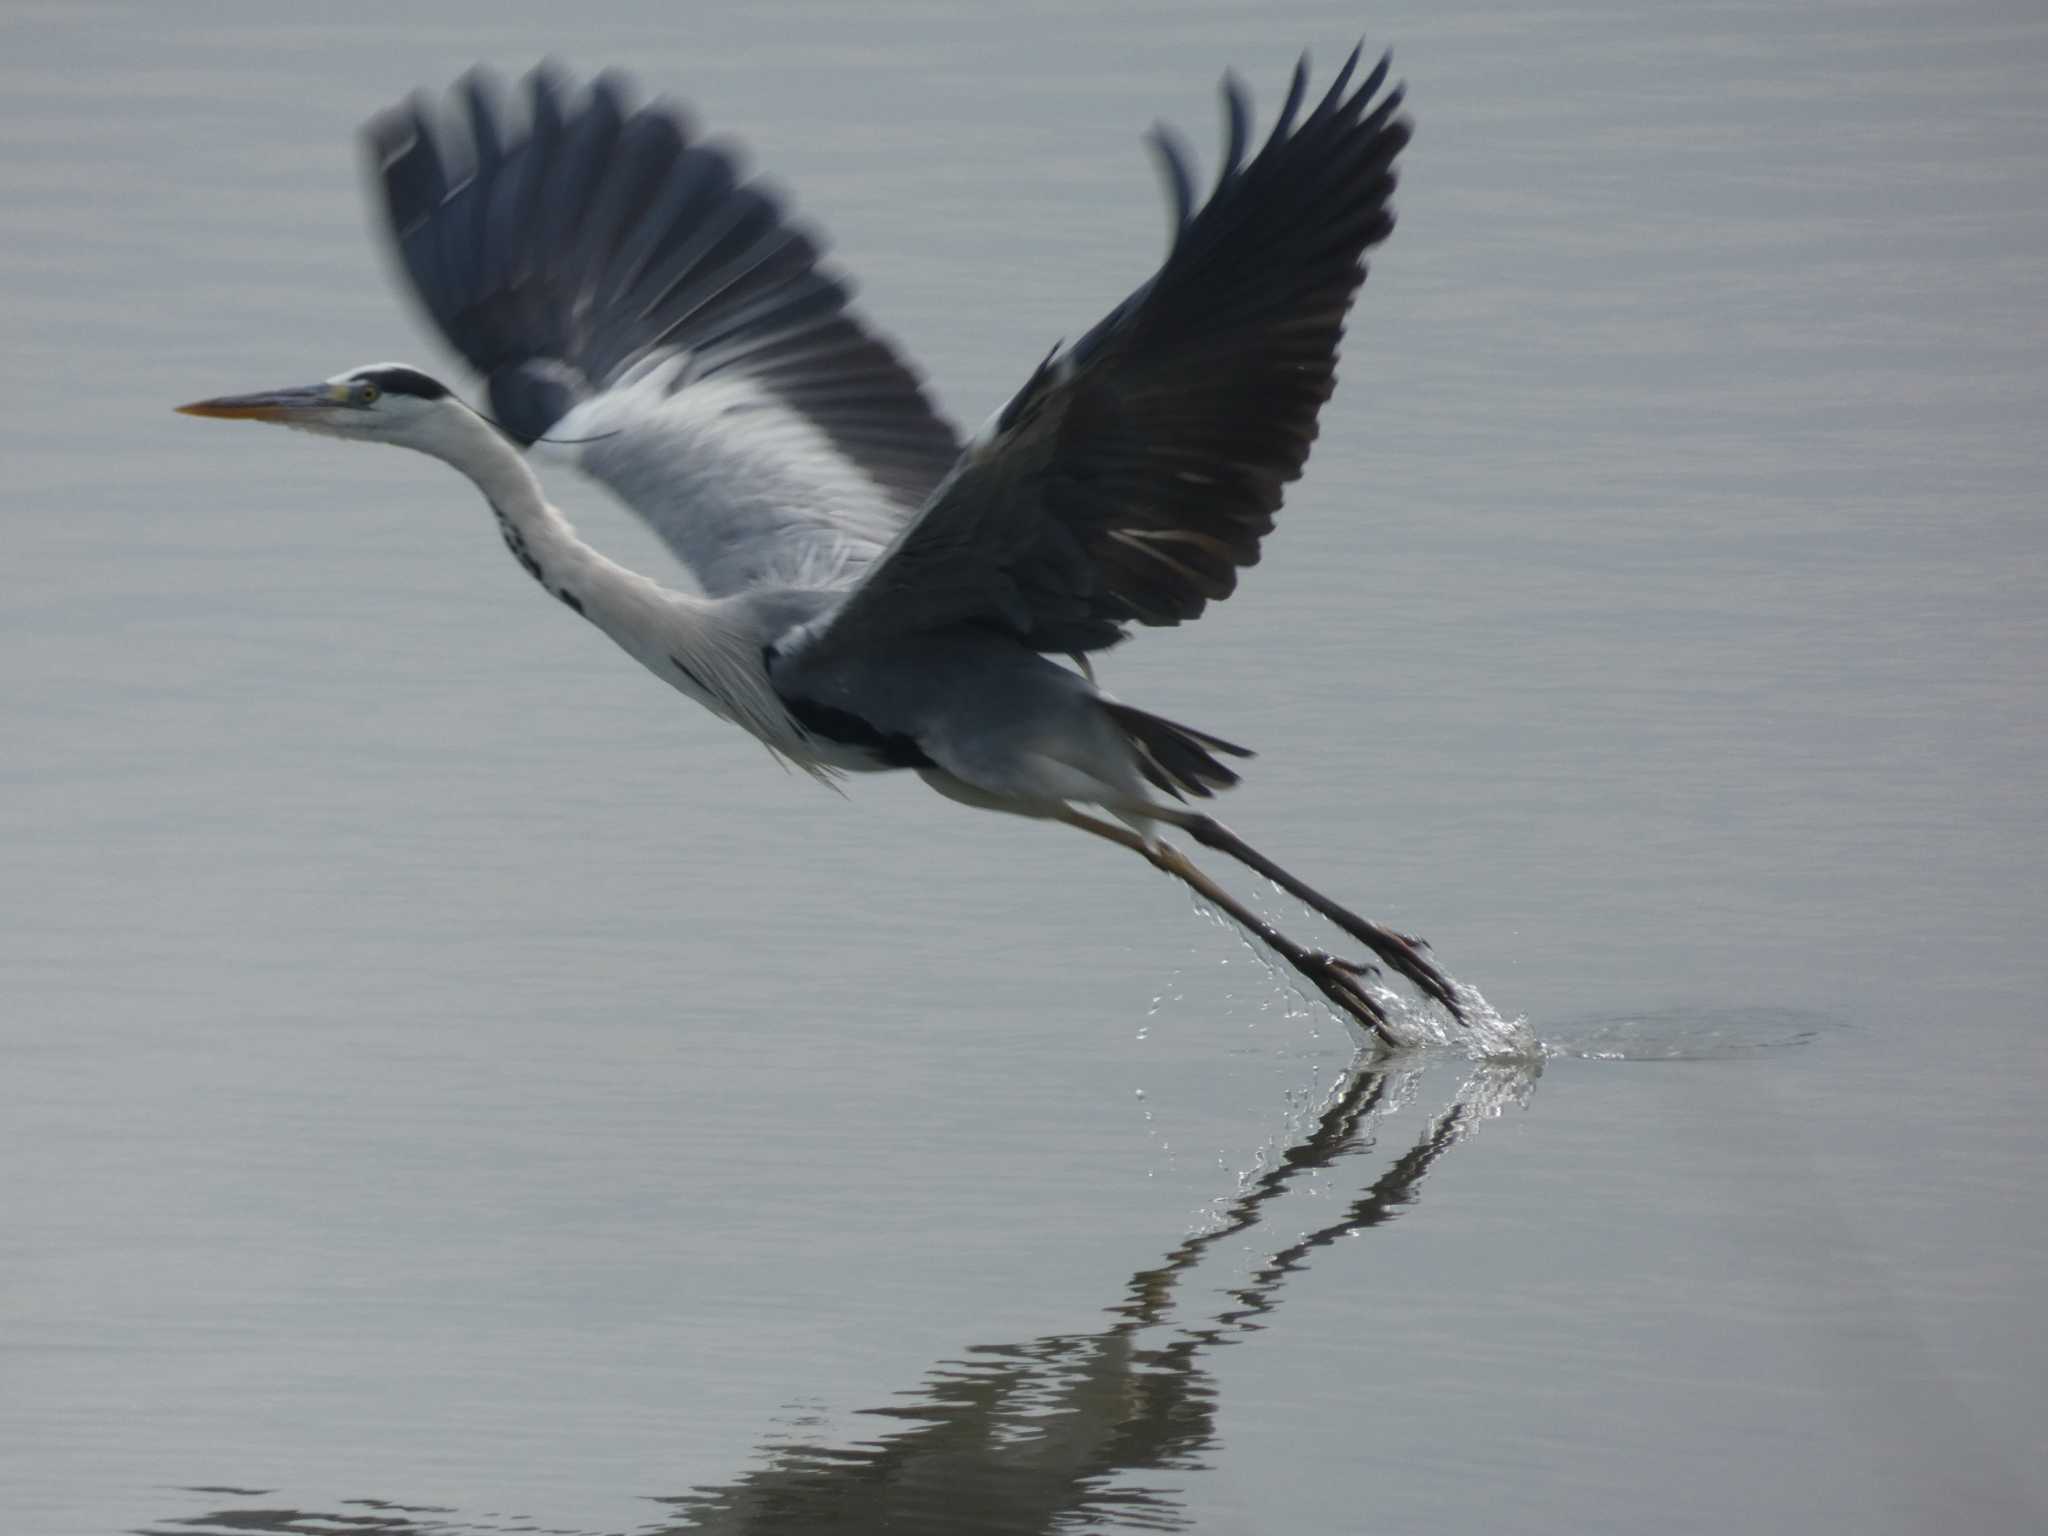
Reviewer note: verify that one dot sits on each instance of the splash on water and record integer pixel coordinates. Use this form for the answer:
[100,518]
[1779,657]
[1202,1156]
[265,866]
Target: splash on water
[1654,1034]
[1485,1036]
[1413,1024]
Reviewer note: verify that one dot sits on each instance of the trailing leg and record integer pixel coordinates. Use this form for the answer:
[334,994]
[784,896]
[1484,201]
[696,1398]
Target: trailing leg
[1401,952]
[1338,980]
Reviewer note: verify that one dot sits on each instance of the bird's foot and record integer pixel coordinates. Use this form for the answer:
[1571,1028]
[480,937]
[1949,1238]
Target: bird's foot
[1343,983]
[1407,956]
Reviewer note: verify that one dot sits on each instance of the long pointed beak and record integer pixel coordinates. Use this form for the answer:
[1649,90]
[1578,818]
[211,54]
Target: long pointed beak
[270,404]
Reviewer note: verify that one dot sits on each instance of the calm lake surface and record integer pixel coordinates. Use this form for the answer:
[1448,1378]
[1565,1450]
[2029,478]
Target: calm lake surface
[449,1083]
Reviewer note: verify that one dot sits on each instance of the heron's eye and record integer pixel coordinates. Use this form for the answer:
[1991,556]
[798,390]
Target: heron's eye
[368,393]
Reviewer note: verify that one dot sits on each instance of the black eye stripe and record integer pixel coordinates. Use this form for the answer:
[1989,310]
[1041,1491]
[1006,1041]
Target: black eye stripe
[402,381]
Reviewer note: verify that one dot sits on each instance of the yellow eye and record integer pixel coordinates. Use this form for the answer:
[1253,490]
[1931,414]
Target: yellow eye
[370,392]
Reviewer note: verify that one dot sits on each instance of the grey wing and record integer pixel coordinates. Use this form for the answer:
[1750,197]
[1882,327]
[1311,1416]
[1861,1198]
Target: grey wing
[615,278]
[1135,473]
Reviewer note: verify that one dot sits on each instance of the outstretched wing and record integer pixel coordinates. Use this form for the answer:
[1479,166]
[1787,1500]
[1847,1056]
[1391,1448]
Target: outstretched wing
[614,278]
[1135,473]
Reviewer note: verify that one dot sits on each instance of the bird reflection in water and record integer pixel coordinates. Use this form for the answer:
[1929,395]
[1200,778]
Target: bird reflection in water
[1072,1432]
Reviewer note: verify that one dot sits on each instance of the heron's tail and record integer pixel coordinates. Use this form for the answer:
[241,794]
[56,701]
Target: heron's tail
[1176,758]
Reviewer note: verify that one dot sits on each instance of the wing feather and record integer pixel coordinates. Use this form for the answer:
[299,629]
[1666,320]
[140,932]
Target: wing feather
[612,275]
[1136,472]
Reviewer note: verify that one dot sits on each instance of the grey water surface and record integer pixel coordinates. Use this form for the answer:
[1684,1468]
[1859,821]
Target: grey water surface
[448,1083]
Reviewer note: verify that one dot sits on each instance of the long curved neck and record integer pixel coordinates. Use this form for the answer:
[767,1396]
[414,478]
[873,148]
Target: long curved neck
[540,538]
[691,643]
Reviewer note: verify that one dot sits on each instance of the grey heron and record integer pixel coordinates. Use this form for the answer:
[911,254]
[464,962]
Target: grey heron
[871,593]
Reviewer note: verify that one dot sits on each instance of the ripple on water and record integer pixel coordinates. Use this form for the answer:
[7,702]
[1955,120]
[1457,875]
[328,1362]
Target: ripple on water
[1685,1034]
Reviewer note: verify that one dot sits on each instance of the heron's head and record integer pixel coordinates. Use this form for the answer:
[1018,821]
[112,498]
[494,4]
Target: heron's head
[380,403]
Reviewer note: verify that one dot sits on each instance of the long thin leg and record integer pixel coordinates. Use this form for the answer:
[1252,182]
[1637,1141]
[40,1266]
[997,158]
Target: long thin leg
[1397,949]
[1338,980]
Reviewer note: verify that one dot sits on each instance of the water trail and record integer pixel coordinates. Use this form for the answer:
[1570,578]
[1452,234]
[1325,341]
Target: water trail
[1718,1033]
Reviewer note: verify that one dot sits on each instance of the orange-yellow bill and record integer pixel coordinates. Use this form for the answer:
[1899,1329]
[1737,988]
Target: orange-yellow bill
[269,404]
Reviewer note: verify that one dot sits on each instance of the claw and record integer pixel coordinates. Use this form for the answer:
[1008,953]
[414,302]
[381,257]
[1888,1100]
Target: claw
[1334,977]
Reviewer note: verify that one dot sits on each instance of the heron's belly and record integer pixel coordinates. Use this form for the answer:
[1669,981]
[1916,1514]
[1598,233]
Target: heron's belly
[947,700]
[844,739]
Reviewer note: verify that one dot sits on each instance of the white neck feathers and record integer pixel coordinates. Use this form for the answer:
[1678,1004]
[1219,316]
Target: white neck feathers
[699,646]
